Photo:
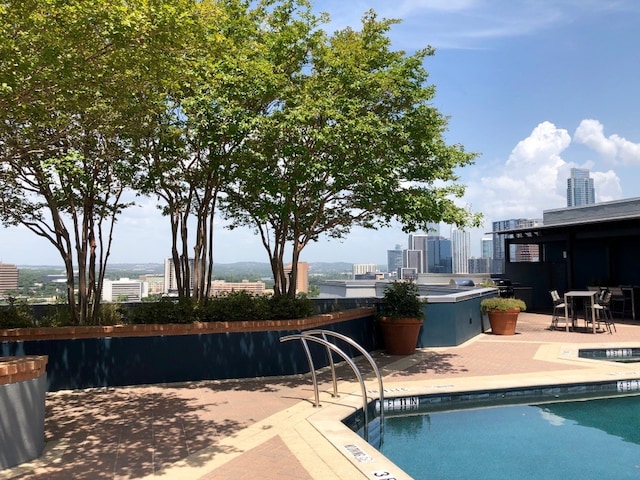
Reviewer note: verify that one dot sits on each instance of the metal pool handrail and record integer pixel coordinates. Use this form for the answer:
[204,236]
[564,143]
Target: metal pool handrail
[311,336]
[358,347]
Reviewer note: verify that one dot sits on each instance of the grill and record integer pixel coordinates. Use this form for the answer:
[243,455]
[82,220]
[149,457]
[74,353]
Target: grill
[505,289]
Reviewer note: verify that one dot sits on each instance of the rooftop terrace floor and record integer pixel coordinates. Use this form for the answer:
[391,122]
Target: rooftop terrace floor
[269,428]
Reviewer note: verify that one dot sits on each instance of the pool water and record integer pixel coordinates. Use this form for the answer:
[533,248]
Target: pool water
[565,440]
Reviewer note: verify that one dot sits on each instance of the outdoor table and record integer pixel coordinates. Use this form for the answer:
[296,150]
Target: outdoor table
[584,294]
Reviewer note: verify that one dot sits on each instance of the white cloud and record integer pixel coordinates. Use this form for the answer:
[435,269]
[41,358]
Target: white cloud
[607,186]
[628,152]
[591,133]
[534,177]
[614,149]
[545,144]
[528,182]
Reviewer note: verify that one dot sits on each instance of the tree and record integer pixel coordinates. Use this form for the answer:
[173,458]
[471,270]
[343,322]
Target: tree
[190,155]
[76,85]
[351,140]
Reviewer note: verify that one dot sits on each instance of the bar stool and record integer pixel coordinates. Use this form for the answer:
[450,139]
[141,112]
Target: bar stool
[558,309]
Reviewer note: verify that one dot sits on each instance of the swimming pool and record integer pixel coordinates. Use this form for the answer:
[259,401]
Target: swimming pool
[596,438]
[554,432]
[620,355]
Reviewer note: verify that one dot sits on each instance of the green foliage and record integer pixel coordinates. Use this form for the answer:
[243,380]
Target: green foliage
[162,312]
[79,83]
[502,304]
[234,306]
[301,132]
[401,300]
[286,308]
[110,314]
[16,315]
[353,139]
[243,306]
[57,316]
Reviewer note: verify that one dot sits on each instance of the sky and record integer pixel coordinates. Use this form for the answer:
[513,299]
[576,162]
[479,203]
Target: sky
[534,87]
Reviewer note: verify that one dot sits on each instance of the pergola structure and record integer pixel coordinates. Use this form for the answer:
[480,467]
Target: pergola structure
[597,244]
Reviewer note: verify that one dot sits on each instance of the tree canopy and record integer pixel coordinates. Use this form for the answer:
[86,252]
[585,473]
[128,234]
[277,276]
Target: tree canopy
[351,140]
[245,108]
[78,82]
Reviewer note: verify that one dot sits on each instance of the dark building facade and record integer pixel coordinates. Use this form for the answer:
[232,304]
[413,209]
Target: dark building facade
[596,244]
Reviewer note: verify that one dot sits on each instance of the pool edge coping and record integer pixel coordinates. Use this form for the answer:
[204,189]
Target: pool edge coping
[329,421]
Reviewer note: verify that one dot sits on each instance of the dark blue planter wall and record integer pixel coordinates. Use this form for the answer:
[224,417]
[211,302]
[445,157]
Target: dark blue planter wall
[449,324]
[100,362]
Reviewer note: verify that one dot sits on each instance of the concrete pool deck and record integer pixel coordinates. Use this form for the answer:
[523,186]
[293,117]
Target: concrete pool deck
[268,428]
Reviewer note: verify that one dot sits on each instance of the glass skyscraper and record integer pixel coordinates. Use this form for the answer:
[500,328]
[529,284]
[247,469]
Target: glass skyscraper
[460,241]
[580,189]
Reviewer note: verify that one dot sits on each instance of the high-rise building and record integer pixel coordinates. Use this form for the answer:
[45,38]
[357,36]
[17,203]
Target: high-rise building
[499,255]
[302,278]
[155,283]
[487,248]
[460,250]
[439,255]
[407,273]
[170,283]
[412,259]
[419,243]
[580,190]
[8,277]
[394,259]
[480,265]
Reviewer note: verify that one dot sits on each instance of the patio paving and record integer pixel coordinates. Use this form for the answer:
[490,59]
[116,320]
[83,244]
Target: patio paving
[261,428]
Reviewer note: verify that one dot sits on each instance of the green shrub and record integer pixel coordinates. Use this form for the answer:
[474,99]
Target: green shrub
[402,300]
[230,307]
[110,314]
[234,306]
[287,308]
[16,315]
[237,306]
[162,312]
[502,304]
[57,315]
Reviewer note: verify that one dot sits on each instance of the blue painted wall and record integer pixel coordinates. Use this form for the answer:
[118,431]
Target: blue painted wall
[100,362]
[118,361]
[449,324]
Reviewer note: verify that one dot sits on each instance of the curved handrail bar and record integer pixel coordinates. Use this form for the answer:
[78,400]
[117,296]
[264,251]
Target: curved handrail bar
[358,347]
[366,355]
[331,346]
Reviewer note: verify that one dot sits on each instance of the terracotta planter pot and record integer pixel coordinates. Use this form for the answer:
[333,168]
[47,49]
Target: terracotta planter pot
[503,322]
[400,336]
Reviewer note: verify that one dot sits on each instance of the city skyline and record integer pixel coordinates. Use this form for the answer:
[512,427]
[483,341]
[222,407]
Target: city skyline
[535,89]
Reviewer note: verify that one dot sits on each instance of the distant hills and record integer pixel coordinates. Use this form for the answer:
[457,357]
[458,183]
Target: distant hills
[260,269]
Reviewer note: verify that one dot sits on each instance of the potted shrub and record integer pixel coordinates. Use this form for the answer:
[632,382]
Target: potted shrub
[401,317]
[503,313]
